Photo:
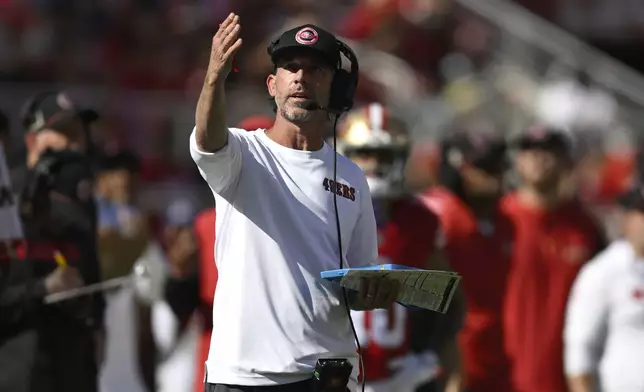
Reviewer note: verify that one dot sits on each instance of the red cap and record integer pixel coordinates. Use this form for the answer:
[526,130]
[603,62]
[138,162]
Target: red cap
[252,123]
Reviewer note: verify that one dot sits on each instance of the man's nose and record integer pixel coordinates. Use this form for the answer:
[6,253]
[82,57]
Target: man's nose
[303,74]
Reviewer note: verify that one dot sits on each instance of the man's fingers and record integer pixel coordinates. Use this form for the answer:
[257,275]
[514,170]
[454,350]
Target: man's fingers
[382,294]
[393,293]
[234,48]
[363,290]
[231,26]
[230,38]
[229,29]
[225,24]
[372,291]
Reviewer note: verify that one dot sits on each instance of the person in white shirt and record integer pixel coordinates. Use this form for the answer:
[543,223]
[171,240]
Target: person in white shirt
[604,331]
[275,191]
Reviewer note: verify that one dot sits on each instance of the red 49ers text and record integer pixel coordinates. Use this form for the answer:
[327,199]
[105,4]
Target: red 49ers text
[340,189]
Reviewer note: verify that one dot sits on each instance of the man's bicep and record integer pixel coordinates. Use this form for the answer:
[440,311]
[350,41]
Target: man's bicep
[220,169]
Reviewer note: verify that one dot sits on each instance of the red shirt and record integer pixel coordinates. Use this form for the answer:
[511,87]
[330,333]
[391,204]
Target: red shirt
[204,226]
[551,247]
[480,252]
[407,238]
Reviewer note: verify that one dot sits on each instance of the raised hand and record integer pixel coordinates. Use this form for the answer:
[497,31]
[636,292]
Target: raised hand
[225,44]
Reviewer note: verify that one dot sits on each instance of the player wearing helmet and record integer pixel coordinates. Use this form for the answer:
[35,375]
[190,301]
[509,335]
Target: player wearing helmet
[395,342]
[477,241]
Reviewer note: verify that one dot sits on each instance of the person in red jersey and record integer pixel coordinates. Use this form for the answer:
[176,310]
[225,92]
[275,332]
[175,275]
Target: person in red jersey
[555,236]
[191,288]
[397,344]
[477,242]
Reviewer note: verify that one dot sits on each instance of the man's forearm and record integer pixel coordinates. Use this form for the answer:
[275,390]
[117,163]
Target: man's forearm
[582,383]
[211,130]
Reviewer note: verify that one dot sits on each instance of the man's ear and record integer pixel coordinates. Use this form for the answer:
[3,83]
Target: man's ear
[270,84]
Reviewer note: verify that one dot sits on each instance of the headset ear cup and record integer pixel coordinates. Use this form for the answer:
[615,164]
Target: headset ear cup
[342,90]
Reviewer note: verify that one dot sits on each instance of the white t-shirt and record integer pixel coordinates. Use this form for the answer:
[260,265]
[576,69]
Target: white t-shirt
[604,332]
[273,316]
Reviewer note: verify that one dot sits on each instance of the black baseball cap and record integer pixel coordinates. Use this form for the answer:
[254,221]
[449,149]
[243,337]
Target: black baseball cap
[545,138]
[54,110]
[633,199]
[306,37]
[482,151]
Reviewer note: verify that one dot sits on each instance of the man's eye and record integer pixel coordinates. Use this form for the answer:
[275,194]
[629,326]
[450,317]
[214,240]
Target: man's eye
[292,67]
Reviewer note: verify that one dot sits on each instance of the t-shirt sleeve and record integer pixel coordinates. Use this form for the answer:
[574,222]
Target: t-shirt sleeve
[585,320]
[220,169]
[363,248]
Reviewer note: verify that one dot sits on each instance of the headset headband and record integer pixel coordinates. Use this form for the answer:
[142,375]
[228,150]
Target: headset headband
[349,54]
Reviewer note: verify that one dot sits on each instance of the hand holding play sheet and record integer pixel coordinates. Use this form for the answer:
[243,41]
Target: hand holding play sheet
[432,290]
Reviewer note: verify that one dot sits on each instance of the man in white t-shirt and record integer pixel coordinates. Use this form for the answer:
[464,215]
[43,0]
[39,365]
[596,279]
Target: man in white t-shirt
[273,317]
[604,329]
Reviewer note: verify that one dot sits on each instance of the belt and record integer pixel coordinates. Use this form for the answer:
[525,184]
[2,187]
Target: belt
[37,250]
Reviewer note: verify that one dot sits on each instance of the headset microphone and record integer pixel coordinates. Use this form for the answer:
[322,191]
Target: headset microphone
[313,105]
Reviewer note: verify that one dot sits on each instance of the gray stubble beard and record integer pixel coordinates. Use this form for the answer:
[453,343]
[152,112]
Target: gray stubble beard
[297,118]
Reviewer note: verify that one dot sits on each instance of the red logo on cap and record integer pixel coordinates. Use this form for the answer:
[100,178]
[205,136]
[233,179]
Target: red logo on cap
[306,36]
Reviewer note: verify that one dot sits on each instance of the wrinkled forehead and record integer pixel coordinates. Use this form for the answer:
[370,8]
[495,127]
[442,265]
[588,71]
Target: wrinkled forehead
[304,56]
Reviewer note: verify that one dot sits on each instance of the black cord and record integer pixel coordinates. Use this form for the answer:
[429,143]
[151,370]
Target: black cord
[339,232]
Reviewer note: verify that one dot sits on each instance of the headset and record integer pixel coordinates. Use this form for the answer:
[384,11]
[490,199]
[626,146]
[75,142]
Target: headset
[341,100]
[343,85]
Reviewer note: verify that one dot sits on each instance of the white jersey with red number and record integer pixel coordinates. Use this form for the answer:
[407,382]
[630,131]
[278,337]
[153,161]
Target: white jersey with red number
[406,238]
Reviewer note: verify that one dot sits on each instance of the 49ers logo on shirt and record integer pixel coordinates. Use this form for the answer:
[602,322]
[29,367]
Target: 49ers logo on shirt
[344,190]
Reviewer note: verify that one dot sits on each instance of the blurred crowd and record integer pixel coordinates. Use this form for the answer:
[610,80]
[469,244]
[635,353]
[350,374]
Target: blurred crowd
[439,66]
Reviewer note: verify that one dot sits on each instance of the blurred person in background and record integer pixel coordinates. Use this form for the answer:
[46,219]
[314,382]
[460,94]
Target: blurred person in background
[422,166]
[477,240]
[191,287]
[11,227]
[53,347]
[399,344]
[177,338]
[604,333]
[555,236]
[50,127]
[122,229]
[124,240]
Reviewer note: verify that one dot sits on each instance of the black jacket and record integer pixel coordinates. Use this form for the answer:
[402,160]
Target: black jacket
[51,347]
